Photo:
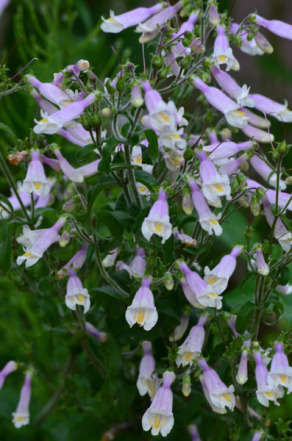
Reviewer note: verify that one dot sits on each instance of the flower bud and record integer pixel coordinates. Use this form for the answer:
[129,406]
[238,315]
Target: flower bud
[120,86]
[248,233]
[237,40]
[64,239]
[188,154]
[106,112]
[162,74]
[283,148]
[157,62]
[185,62]
[254,205]
[187,386]
[168,281]
[69,206]
[187,204]
[263,43]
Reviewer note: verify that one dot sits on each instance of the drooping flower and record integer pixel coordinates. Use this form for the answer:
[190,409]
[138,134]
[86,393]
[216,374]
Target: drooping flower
[21,415]
[76,294]
[35,252]
[219,276]
[184,238]
[266,172]
[192,346]
[117,23]
[190,294]
[223,103]
[159,417]
[110,258]
[222,51]
[136,96]
[137,266]
[284,199]
[70,172]
[231,167]
[220,395]
[284,289]
[157,222]
[262,266]
[11,366]
[36,180]
[100,336]
[266,391]
[77,68]
[223,150]
[214,185]
[242,372]
[179,330]
[208,220]
[280,372]
[51,92]
[270,107]
[277,27]
[230,86]
[142,309]
[256,120]
[247,46]
[147,381]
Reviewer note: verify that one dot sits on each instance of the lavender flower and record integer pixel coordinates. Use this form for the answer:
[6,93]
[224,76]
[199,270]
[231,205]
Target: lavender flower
[179,330]
[257,134]
[256,120]
[262,266]
[50,91]
[184,238]
[257,435]
[266,391]
[192,346]
[283,236]
[280,372]
[100,336]
[142,309]
[219,276]
[76,294]
[117,23]
[277,27]
[110,259]
[147,381]
[137,266]
[284,289]
[247,46]
[277,110]
[35,180]
[266,172]
[230,86]
[157,222]
[220,395]
[70,172]
[241,376]
[11,366]
[190,294]
[159,417]
[136,96]
[21,415]
[222,51]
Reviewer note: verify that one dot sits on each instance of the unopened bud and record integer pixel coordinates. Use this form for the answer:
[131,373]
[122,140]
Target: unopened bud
[248,234]
[120,86]
[162,74]
[69,206]
[64,239]
[187,386]
[225,133]
[106,112]
[254,205]
[188,154]
[206,76]
[244,166]
[283,148]
[168,282]
[241,179]
[288,181]
[111,90]
[237,40]
[185,62]
[136,97]
[157,62]
[260,192]
[263,43]
[187,203]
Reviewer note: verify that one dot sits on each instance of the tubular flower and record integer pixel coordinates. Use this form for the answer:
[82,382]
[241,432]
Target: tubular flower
[257,134]
[147,382]
[284,199]
[51,92]
[257,436]
[266,391]
[136,96]
[10,367]
[270,107]
[184,238]
[277,27]
[110,258]
[190,294]
[241,376]
[219,276]
[266,172]
[281,234]
[193,431]
[284,289]
[262,266]
[223,103]
[157,222]
[21,415]
[35,252]
[247,46]
[35,180]
[280,372]
[51,124]
[76,294]
[117,23]
[214,185]
[232,166]
[100,336]
[222,51]
[137,266]
[142,309]
[70,172]
[192,346]
[208,220]
[179,330]
[223,150]
[220,395]
[159,416]
[205,294]
[230,86]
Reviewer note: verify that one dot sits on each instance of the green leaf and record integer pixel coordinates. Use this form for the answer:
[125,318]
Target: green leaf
[4,248]
[153,144]
[6,202]
[8,130]
[83,153]
[284,276]
[120,166]
[145,178]
[244,317]
[104,165]
[108,219]
[104,182]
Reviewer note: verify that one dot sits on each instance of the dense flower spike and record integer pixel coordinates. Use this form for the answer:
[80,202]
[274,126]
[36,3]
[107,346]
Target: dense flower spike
[220,395]
[21,415]
[76,294]
[157,222]
[280,372]
[142,310]
[266,391]
[11,366]
[159,416]
[192,346]
[147,381]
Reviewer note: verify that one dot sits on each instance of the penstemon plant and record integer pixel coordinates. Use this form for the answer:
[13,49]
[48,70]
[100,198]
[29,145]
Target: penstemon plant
[149,223]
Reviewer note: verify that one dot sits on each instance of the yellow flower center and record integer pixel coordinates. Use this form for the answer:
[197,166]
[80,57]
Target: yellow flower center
[142,188]
[218,187]
[270,394]
[140,317]
[158,227]
[239,113]
[222,58]
[80,298]
[214,222]
[227,398]
[283,378]
[111,19]
[188,356]
[27,254]
[212,280]
[139,160]
[175,136]
[37,185]
[165,117]
[213,294]
[156,421]
[44,120]
[19,418]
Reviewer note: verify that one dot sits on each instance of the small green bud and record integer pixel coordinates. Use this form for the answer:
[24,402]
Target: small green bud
[106,112]
[254,205]
[248,234]
[237,40]
[162,74]
[168,281]
[241,179]
[111,90]
[187,386]
[252,17]
[206,77]
[188,154]
[120,86]
[249,37]
[208,62]
[98,95]
[185,62]
[69,206]
[283,148]
[96,120]
[186,42]
[64,239]
[260,192]
[157,62]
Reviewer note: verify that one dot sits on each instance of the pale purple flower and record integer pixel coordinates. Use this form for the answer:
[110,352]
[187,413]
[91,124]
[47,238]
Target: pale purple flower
[110,258]
[272,108]
[219,276]
[157,222]
[184,238]
[174,159]
[142,309]
[214,17]
[89,169]
[187,203]
[277,27]
[262,266]
[280,372]
[214,185]
[77,68]
[242,372]
[231,322]
[36,180]
[137,266]
[284,289]
[179,330]
[223,103]
[222,51]
[257,435]
[266,391]
[193,431]
[263,43]
[51,124]
[257,134]
[78,259]
[117,23]
[10,367]
[50,91]
[3,5]
[231,167]
[76,294]
[190,294]
[220,395]
[21,415]
[30,237]
[230,86]
[25,198]
[281,233]
[192,346]
[266,172]
[35,252]
[159,417]
[208,220]
[100,336]
[247,46]
[70,172]
[223,150]
[256,120]
[284,199]
[204,293]
[188,25]
[147,381]
[136,96]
